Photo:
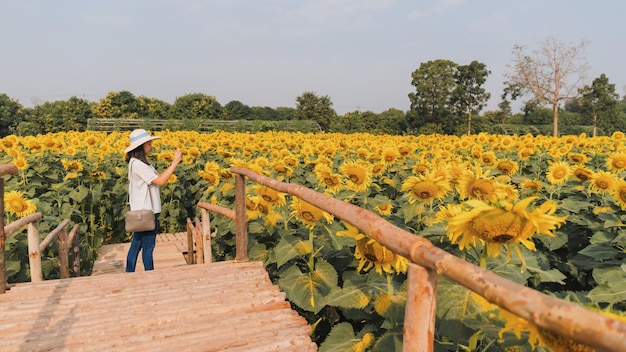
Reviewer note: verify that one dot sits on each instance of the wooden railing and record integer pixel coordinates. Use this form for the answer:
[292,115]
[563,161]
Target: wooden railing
[35,247]
[427,263]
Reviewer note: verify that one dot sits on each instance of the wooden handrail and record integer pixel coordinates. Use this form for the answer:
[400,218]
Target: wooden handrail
[563,318]
[35,247]
[218,209]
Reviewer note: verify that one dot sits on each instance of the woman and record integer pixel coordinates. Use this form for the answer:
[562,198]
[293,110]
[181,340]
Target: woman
[143,189]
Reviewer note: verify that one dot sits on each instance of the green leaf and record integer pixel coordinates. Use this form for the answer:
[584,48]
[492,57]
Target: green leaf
[347,297]
[286,250]
[307,290]
[456,302]
[340,339]
[79,193]
[12,267]
[389,342]
[600,251]
[611,285]
[574,206]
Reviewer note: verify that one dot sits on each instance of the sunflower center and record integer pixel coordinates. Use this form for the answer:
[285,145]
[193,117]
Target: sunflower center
[619,163]
[559,173]
[499,226]
[17,205]
[268,198]
[481,188]
[262,208]
[425,189]
[603,183]
[331,181]
[308,216]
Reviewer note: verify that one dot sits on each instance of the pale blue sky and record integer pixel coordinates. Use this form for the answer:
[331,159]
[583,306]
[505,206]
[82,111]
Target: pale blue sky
[360,53]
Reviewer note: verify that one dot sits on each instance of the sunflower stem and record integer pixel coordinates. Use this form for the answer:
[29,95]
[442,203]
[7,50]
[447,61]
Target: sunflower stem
[389,284]
[312,255]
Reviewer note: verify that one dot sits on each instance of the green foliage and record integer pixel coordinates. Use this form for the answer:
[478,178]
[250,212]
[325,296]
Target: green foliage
[11,114]
[196,106]
[310,106]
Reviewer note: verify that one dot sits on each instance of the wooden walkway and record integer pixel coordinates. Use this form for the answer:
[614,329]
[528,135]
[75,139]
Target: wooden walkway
[222,306]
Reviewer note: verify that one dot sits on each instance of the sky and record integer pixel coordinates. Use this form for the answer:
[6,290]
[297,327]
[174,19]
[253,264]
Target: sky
[359,53]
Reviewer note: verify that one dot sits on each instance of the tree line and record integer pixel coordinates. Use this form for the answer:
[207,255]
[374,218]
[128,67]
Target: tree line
[448,99]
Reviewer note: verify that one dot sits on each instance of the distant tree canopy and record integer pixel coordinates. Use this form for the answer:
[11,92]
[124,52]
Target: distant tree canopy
[310,106]
[551,74]
[196,106]
[11,114]
[445,95]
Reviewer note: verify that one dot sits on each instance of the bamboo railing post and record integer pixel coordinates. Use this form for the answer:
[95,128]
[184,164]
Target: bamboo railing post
[64,269]
[75,241]
[241,240]
[34,255]
[206,235]
[419,315]
[190,257]
[12,170]
[197,235]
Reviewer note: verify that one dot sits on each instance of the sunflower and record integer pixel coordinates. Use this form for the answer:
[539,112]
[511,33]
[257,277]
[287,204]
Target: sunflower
[507,167]
[503,224]
[616,162]
[270,195]
[98,175]
[602,182]
[384,209]
[73,165]
[619,193]
[308,213]
[372,254]
[327,179]
[390,155]
[356,175]
[478,184]
[532,186]
[425,188]
[488,158]
[16,204]
[20,162]
[558,172]
[582,173]
[525,153]
[538,336]
[577,158]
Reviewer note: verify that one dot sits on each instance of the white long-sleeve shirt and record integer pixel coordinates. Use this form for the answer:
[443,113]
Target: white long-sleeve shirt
[143,194]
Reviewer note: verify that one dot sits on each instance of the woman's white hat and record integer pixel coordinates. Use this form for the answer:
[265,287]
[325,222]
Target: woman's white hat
[139,137]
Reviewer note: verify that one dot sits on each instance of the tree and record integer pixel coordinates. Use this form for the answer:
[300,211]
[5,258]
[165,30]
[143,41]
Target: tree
[469,96]
[236,110]
[152,108]
[550,74]
[309,106]
[58,116]
[431,103]
[196,106]
[263,113]
[599,100]
[117,105]
[11,114]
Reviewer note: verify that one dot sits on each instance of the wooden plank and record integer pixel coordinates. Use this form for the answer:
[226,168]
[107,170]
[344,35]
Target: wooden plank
[223,306]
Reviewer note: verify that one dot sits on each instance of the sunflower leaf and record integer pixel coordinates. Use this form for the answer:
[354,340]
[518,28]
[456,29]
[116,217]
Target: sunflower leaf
[611,285]
[341,338]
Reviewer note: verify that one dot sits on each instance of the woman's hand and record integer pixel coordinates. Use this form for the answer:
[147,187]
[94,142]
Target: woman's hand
[178,156]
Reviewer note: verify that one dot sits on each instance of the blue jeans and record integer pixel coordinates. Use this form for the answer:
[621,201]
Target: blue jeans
[142,241]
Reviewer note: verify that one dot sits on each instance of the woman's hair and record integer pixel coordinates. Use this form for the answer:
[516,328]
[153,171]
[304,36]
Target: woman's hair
[137,153]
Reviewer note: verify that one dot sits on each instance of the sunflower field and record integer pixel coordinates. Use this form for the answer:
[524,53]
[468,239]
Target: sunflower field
[545,212]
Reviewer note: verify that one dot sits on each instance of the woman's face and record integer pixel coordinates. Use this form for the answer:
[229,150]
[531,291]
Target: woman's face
[147,147]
